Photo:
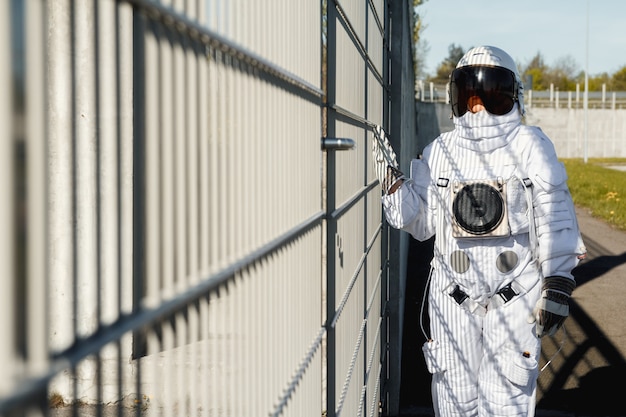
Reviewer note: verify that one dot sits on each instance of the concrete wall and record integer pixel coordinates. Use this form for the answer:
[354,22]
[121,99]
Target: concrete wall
[432,120]
[606,129]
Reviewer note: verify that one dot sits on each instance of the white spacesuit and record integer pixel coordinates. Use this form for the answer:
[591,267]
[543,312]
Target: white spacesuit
[506,240]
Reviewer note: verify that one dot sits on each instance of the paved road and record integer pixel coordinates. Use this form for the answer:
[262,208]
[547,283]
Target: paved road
[585,377]
[588,374]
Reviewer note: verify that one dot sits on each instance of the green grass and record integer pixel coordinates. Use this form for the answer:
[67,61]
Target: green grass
[599,189]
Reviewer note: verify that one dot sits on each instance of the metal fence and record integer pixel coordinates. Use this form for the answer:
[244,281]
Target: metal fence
[551,98]
[176,238]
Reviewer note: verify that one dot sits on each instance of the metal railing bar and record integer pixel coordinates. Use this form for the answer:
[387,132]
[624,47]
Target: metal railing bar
[368,372]
[342,304]
[362,400]
[356,197]
[348,378]
[297,377]
[373,296]
[370,362]
[345,21]
[171,18]
[379,23]
[374,182]
[84,347]
[357,346]
[351,116]
[22,395]
[354,278]
[373,411]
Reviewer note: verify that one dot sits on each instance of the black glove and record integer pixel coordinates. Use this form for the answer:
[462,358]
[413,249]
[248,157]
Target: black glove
[552,308]
[385,163]
[393,176]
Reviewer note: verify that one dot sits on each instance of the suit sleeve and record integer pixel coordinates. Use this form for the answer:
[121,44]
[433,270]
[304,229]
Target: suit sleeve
[559,241]
[409,208]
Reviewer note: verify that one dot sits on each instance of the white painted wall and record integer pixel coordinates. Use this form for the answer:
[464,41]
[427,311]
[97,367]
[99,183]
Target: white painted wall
[606,128]
[606,131]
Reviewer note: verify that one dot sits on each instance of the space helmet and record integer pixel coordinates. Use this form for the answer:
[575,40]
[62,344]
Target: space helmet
[491,74]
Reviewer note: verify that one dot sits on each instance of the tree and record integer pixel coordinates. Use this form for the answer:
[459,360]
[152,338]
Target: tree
[455,53]
[563,74]
[534,74]
[420,45]
[596,81]
[618,80]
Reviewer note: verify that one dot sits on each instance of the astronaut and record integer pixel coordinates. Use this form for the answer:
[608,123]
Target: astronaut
[495,197]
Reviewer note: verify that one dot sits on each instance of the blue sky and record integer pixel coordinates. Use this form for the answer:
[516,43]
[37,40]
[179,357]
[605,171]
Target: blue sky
[555,28]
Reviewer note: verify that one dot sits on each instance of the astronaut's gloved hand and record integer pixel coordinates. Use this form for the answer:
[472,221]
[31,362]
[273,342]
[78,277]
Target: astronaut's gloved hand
[393,180]
[552,308]
[385,162]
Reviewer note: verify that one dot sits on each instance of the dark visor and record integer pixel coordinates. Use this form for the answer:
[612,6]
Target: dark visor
[496,87]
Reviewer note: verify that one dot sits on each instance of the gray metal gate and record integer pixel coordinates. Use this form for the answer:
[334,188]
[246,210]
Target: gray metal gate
[178,241]
[370,83]
[357,285]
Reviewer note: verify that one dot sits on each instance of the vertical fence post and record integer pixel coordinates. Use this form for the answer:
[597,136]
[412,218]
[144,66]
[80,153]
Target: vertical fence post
[569,99]
[331,230]
[614,100]
[556,99]
[7,278]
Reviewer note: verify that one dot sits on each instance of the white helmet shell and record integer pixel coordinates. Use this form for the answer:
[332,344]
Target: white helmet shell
[491,56]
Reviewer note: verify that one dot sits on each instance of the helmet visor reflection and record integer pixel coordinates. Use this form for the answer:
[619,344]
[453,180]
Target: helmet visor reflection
[496,87]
